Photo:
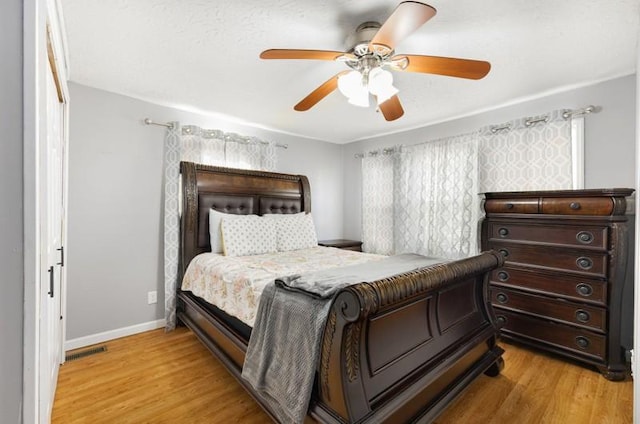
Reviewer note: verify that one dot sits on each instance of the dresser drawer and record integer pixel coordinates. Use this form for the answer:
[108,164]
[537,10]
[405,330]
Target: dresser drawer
[590,317]
[564,235]
[558,285]
[585,263]
[559,335]
[577,205]
[511,205]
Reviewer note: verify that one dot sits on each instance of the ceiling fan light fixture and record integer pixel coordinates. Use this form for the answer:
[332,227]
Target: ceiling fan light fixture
[381,84]
[371,53]
[352,86]
[361,99]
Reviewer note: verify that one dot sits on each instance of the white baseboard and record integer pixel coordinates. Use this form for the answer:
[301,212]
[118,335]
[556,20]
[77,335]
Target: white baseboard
[112,334]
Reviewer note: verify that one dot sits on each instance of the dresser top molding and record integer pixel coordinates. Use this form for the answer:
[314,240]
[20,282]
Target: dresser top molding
[597,202]
[600,192]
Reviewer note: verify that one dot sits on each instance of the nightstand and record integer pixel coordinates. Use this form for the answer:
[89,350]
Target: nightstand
[342,244]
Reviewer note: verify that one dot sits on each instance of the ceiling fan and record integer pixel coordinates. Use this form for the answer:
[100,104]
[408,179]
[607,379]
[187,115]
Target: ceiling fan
[370,56]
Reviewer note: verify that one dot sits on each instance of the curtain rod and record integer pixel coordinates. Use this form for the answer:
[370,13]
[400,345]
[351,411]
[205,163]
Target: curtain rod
[584,111]
[149,121]
[566,114]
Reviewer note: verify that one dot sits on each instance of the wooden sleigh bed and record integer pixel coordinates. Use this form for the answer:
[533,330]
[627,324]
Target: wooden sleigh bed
[393,351]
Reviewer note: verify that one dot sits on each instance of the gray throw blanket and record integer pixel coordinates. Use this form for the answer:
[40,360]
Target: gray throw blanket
[284,347]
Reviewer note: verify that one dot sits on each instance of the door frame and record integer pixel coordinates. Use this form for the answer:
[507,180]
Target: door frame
[63,98]
[38,15]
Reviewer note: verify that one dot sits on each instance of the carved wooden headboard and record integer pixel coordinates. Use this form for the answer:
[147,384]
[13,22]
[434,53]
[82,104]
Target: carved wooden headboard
[235,191]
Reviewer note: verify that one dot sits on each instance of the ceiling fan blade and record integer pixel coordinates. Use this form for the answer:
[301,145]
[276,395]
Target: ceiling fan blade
[300,54]
[319,93]
[391,109]
[405,19]
[449,66]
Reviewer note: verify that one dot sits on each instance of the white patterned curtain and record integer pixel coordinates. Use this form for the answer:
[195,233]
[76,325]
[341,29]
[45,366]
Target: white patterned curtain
[527,154]
[436,198]
[424,198]
[377,202]
[215,147]
[209,147]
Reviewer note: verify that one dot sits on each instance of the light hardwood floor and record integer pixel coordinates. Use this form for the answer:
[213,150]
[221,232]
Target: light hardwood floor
[158,377]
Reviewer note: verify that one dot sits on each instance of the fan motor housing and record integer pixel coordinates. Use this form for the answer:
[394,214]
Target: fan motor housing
[359,42]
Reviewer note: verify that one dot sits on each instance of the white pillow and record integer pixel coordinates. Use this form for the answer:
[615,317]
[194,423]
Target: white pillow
[215,236]
[295,231]
[246,235]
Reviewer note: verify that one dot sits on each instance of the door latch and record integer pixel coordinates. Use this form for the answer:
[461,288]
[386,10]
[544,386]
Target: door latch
[61,250]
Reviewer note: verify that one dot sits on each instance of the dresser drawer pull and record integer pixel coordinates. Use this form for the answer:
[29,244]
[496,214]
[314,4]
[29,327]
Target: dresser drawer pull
[502,298]
[582,342]
[582,316]
[584,237]
[503,275]
[584,289]
[504,252]
[584,263]
[574,205]
[508,205]
[501,320]
[503,232]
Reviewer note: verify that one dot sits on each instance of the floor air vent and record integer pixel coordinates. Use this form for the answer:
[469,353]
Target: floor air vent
[78,355]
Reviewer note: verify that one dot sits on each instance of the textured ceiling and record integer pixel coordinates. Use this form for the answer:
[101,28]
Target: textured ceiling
[203,55]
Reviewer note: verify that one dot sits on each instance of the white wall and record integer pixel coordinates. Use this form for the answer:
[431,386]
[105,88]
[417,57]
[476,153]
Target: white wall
[11,221]
[609,138]
[115,203]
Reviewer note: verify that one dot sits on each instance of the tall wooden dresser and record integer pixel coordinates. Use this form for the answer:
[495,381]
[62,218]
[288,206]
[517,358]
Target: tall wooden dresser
[562,286]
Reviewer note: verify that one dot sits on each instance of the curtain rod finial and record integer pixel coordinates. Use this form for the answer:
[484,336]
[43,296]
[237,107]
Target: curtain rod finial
[149,121]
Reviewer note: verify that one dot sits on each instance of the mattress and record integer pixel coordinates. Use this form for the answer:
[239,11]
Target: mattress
[235,283]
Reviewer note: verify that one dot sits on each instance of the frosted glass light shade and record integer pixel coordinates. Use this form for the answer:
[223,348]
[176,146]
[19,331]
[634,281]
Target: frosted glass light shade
[381,84]
[351,85]
[354,88]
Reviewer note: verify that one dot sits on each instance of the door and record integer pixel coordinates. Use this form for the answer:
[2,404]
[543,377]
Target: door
[52,204]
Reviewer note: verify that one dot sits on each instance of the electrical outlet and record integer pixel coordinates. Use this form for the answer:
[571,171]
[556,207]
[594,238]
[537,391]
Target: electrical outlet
[152,297]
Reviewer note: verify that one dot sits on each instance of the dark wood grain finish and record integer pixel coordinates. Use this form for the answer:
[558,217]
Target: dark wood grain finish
[511,205]
[587,263]
[567,270]
[580,289]
[579,343]
[559,310]
[235,191]
[577,206]
[595,237]
[394,350]
[426,313]
[354,245]
[499,202]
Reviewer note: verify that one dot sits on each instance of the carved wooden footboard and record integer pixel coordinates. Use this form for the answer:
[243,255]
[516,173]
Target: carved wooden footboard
[400,349]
